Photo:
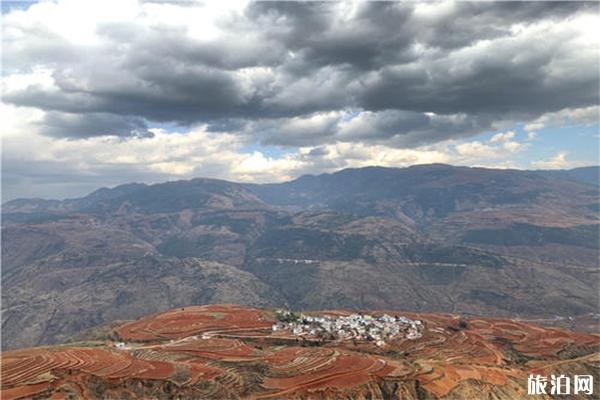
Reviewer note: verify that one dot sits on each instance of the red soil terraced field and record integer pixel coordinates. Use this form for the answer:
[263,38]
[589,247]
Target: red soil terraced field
[228,352]
[189,321]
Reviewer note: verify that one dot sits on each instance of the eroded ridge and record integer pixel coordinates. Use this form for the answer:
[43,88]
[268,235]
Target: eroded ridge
[229,351]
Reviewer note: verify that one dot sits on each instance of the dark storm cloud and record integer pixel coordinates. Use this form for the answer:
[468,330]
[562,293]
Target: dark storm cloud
[318,152]
[298,131]
[527,10]
[373,37]
[188,93]
[505,83]
[280,69]
[473,21]
[409,128]
[80,126]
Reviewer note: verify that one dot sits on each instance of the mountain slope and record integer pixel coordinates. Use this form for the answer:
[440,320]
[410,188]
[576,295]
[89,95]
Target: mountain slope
[427,192]
[589,175]
[427,238]
[164,197]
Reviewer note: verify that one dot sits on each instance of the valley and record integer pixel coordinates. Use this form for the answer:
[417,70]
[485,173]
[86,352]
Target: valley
[470,241]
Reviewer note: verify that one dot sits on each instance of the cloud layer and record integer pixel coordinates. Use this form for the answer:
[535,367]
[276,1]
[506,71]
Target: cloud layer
[425,70]
[305,77]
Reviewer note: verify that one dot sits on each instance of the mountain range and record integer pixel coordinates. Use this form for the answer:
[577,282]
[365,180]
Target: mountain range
[430,238]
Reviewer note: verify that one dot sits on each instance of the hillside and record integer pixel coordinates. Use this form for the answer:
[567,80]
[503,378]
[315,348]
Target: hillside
[424,192]
[227,351]
[426,239]
[589,175]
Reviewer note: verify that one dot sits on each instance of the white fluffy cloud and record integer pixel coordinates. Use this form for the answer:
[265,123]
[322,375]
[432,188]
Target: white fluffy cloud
[500,146]
[559,161]
[568,116]
[38,165]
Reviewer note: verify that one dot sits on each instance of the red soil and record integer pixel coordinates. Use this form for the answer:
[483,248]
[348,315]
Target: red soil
[223,347]
[31,371]
[314,369]
[190,321]
[216,349]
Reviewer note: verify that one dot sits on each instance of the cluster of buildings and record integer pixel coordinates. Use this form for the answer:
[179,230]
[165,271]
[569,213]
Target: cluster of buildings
[353,327]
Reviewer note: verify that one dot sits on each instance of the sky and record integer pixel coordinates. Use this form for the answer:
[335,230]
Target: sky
[101,93]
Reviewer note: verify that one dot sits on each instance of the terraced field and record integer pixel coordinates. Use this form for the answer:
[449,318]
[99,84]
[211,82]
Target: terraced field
[189,321]
[228,351]
[41,371]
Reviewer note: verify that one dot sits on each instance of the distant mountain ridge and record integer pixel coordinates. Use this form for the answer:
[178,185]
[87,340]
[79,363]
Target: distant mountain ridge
[145,198]
[351,186]
[425,238]
[589,175]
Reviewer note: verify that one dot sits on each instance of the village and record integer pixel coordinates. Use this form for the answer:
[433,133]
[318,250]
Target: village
[358,327]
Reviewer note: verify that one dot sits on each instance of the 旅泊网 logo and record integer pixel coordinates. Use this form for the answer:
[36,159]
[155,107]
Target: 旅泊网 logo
[560,384]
